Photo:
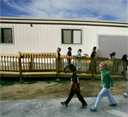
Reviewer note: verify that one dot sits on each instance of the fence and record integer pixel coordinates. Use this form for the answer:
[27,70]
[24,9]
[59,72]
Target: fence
[89,65]
[49,62]
[9,62]
[41,62]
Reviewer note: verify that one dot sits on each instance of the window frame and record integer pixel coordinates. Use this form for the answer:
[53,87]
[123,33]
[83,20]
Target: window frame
[71,36]
[12,35]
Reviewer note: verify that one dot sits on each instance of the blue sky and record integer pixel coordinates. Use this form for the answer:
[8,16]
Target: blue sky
[115,10]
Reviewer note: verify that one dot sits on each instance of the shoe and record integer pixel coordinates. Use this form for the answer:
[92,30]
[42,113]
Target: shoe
[113,104]
[84,106]
[125,94]
[92,109]
[65,70]
[64,104]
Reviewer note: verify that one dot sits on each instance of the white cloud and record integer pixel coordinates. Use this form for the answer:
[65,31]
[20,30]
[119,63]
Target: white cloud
[77,9]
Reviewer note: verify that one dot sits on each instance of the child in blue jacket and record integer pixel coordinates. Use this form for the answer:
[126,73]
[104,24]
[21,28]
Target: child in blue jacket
[79,60]
[68,60]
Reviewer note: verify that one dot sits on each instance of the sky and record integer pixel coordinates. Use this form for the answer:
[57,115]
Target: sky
[113,10]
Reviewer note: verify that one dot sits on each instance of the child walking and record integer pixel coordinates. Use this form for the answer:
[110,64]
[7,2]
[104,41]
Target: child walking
[106,80]
[68,60]
[74,88]
[79,61]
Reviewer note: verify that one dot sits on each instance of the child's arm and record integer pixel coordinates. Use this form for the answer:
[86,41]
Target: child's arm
[72,84]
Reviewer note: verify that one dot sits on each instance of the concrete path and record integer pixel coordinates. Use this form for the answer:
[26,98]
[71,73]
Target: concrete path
[53,108]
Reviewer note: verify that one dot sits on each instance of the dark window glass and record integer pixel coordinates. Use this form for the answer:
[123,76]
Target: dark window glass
[71,36]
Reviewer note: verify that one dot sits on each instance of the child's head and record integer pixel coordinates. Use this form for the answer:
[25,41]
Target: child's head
[94,48]
[124,56]
[79,50]
[113,53]
[69,48]
[105,65]
[58,49]
[102,66]
[72,68]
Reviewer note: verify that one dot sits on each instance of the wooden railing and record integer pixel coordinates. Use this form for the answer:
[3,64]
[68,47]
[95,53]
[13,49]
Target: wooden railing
[9,62]
[119,66]
[85,63]
[38,62]
[49,62]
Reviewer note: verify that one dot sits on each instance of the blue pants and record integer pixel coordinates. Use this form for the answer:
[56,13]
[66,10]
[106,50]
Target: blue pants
[101,94]
[79,65]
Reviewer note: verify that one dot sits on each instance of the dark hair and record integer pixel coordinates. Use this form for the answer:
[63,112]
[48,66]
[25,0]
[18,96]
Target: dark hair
[69,48]
[80,50]
[123,57]
[72,67]
[59,48]
[94,47]
[113,53]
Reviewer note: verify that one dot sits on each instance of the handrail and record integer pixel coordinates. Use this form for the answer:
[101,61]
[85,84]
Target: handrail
[7,54]
[42,62]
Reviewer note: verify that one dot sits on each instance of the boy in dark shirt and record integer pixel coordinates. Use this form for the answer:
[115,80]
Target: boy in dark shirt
[69,60]
[125,59]
[58,50]
[74,89]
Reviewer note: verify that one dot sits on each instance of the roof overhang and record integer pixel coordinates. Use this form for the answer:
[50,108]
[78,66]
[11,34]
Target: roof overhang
[62,21]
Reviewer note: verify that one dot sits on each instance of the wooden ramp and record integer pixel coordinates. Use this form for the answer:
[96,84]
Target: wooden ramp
[39,74]
[87,76]
[68,75]
[9,74]
[53,74]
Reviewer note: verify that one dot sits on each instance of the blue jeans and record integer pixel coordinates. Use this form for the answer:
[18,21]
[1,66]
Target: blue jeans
[101,94]
[79,65]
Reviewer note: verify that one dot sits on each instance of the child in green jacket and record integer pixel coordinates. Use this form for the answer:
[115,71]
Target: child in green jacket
[107,82]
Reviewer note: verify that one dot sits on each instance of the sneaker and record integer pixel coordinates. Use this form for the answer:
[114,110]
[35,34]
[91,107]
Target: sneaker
[64,104]
[65,70]
[125,94]
[113,104]
[84,106]
[92,109]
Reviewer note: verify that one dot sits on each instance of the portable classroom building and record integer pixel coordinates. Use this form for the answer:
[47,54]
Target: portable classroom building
[38,35]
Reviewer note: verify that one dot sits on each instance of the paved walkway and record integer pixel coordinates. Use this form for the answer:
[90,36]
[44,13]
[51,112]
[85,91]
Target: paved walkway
[53,108]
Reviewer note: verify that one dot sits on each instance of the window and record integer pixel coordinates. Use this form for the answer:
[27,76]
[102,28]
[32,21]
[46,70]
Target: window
[71,36]
[6,35]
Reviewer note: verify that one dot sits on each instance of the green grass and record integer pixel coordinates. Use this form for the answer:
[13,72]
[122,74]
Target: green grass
[29,82]
[6,83]
[11,82]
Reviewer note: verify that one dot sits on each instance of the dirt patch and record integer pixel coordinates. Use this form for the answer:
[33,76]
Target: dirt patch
[46,90]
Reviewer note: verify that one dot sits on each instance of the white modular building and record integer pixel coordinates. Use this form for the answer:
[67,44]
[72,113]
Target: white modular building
[39,35]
